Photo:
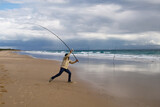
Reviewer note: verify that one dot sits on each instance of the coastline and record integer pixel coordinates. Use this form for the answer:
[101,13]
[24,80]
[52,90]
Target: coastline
[24,83]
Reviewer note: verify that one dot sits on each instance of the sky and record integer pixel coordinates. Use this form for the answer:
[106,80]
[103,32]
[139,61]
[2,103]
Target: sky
[82,24]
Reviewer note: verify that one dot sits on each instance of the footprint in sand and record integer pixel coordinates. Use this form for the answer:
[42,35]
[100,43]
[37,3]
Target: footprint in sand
[1,86]
[2,102]
[36,84]
[3,77]
[1,65]
[3,90]
[2,68]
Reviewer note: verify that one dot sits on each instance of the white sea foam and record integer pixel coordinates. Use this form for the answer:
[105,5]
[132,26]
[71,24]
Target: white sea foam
[99,55]
[45,52]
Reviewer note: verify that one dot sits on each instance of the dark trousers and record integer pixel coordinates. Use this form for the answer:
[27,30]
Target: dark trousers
[61,71]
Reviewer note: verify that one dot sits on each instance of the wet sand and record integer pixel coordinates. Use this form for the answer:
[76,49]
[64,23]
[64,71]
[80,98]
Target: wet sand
[130,83]
[24,83]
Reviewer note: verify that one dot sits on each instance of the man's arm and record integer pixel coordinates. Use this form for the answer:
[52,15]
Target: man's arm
[68,54]
[72,62]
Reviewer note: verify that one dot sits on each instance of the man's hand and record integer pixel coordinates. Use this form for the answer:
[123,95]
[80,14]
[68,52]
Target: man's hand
[71,50]
[77,60]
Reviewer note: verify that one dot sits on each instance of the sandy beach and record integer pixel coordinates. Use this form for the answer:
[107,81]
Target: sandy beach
[24,83]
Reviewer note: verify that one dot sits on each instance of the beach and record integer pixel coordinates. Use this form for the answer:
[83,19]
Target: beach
[96,82]
[24,83]
[129,78]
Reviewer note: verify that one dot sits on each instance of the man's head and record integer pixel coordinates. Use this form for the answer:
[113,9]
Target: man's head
[66,54]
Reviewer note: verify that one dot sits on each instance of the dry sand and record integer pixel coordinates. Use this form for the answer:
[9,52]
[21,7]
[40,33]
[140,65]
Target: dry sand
[24,83]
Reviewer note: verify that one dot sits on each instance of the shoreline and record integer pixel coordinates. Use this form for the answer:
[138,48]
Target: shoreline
[84,56]
[24,82]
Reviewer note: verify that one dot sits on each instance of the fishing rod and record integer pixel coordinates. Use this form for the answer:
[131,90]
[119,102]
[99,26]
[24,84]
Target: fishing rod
[59,39]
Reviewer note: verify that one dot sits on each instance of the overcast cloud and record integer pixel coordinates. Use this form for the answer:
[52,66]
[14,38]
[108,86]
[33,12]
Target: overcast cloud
[98,24]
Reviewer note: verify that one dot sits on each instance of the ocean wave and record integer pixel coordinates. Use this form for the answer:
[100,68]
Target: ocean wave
[102,55]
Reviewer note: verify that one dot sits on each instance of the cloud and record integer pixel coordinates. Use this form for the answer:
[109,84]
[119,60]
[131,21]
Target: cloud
[146,1]
[134,21]
[35,1]
[143,38]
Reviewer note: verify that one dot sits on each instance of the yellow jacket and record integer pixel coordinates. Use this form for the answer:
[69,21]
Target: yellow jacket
[66,61]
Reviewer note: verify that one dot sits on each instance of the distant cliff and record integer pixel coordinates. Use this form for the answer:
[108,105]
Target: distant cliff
[9,50]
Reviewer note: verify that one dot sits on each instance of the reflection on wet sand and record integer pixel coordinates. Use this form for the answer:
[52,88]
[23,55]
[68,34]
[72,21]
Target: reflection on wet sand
[132,84]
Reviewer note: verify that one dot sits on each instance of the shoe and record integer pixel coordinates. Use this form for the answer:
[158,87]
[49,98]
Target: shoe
[72,82]
[69,81]
[50,79]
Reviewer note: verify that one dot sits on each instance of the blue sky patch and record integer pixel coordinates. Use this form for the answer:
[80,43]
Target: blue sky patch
[5,5]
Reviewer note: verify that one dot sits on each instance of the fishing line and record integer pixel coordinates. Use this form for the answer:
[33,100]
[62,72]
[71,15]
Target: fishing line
[59,39]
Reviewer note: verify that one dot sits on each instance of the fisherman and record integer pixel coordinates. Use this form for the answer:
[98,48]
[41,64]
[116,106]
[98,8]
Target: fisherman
[64,66]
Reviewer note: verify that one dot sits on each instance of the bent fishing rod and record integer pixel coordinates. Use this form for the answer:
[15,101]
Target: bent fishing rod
[59,39]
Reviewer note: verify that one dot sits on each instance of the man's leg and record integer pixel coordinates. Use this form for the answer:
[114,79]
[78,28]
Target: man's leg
[60,72]
[69,74]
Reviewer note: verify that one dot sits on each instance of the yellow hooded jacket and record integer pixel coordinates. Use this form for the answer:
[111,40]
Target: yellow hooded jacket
[66,61]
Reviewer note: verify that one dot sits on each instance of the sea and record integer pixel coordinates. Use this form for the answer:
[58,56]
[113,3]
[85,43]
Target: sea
[85,55]
[130,77]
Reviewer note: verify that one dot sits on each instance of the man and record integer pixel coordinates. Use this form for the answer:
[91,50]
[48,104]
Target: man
[64,67]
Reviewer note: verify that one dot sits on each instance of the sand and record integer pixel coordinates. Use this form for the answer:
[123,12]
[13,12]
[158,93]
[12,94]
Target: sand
[130,83]
[24,83]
